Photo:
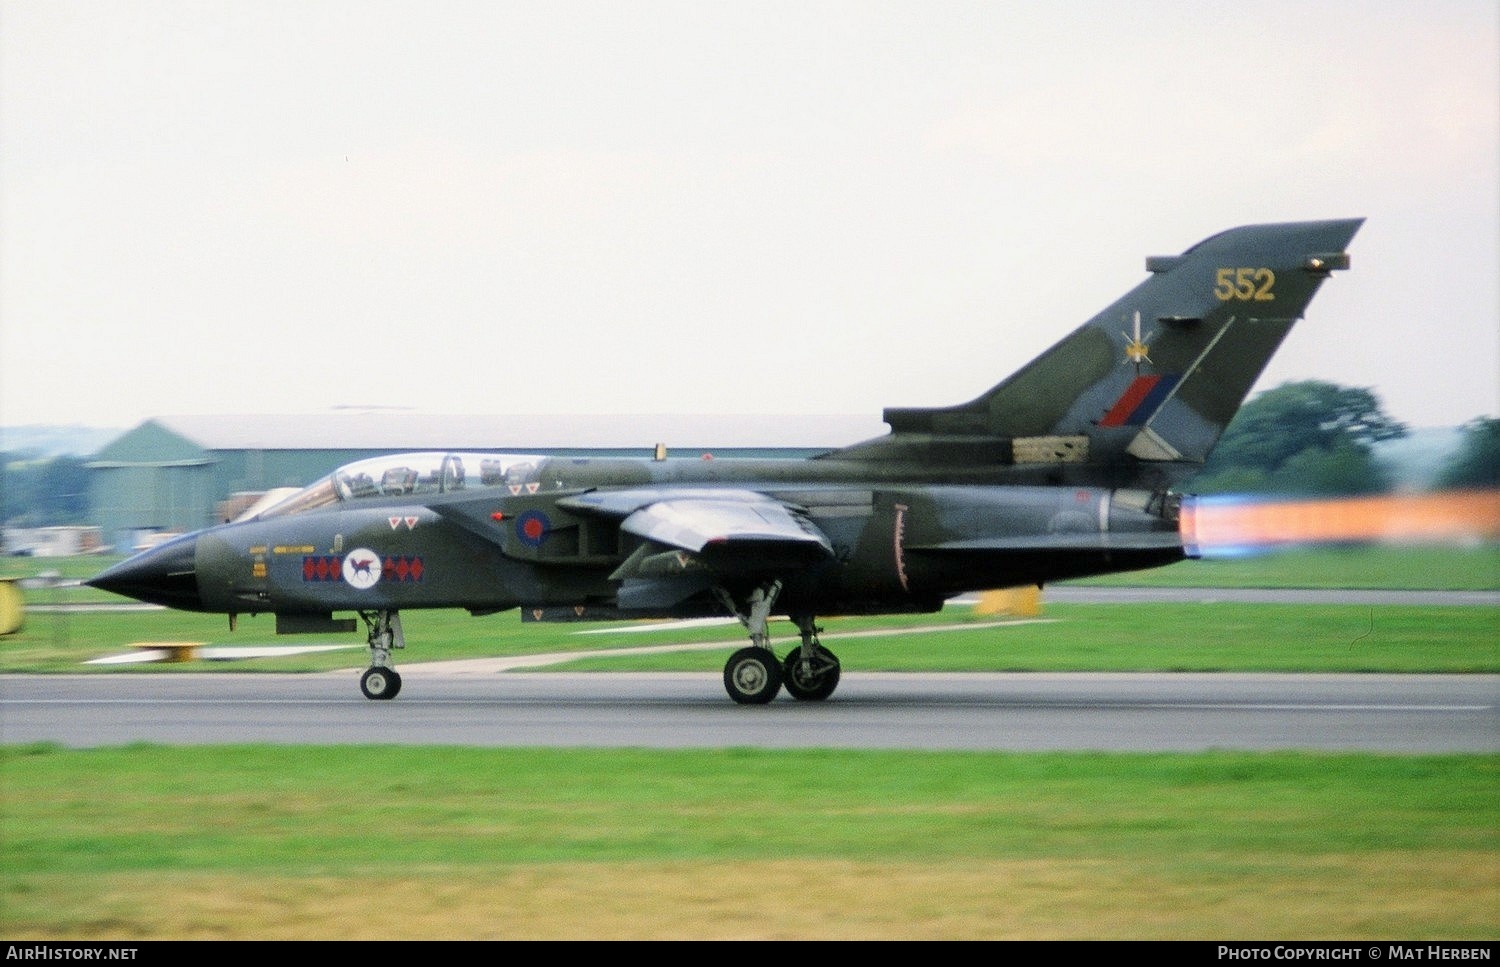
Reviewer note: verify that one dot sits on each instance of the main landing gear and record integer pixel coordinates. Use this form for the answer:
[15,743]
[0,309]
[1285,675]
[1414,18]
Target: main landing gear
[380,681]
[753,675]
[811,672]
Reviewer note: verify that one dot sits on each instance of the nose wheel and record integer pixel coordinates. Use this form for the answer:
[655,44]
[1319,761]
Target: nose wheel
[381,682]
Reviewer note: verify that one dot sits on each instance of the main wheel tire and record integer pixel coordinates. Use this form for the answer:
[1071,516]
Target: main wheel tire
[752,676]
[379,684]
[818,683]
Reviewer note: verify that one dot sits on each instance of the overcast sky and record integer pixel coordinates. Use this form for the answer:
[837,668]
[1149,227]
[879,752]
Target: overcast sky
[713,207]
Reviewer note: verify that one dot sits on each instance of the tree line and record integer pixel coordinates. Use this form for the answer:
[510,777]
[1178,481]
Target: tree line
[43,492]
[1314,438]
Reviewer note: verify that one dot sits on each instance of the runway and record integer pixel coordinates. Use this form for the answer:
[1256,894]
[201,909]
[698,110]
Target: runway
[1021,712]
[495,702]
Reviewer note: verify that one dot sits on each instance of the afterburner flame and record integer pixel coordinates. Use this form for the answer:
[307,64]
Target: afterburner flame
[1218,525]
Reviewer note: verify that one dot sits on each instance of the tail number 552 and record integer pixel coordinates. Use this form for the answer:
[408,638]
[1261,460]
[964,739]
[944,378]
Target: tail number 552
[1244,284]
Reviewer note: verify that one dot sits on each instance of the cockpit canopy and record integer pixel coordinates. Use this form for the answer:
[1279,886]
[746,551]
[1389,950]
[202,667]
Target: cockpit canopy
[410,475]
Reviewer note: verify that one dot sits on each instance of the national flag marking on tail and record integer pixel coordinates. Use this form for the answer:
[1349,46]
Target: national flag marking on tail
[1141,399]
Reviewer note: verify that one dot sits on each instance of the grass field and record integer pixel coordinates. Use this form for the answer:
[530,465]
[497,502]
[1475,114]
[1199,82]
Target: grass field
[377,842]
[388,843]
[1161,637]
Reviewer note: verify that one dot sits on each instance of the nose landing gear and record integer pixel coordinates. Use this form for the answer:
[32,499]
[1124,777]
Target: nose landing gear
[380,681]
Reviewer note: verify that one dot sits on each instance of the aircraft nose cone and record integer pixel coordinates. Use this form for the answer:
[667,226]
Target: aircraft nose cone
[163,575]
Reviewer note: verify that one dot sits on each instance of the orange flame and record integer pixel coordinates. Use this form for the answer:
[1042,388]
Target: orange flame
[1223,523]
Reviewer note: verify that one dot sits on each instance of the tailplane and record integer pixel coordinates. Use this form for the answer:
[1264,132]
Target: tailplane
[1139,394]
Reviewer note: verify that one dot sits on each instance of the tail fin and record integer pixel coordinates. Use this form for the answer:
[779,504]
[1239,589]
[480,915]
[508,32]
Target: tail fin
[1142,391]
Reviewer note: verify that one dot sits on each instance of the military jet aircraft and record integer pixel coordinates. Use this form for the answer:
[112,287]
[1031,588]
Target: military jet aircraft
[1063,470]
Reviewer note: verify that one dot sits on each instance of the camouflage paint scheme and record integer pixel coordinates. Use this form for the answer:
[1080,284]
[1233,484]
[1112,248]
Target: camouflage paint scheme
[1063,470]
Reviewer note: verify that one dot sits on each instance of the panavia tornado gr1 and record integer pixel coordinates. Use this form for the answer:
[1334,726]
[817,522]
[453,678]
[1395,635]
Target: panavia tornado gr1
[1064,469]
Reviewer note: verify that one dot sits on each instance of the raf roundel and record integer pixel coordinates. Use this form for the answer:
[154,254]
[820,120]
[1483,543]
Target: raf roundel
[362,568]
[532,527]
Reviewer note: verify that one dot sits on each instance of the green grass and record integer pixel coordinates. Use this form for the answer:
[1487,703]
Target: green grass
[1072,637]
[259,808]
[1218,828]
[1397,567]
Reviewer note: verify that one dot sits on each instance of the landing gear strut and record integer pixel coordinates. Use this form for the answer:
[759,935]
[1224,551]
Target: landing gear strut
[753,676]
[380,681]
